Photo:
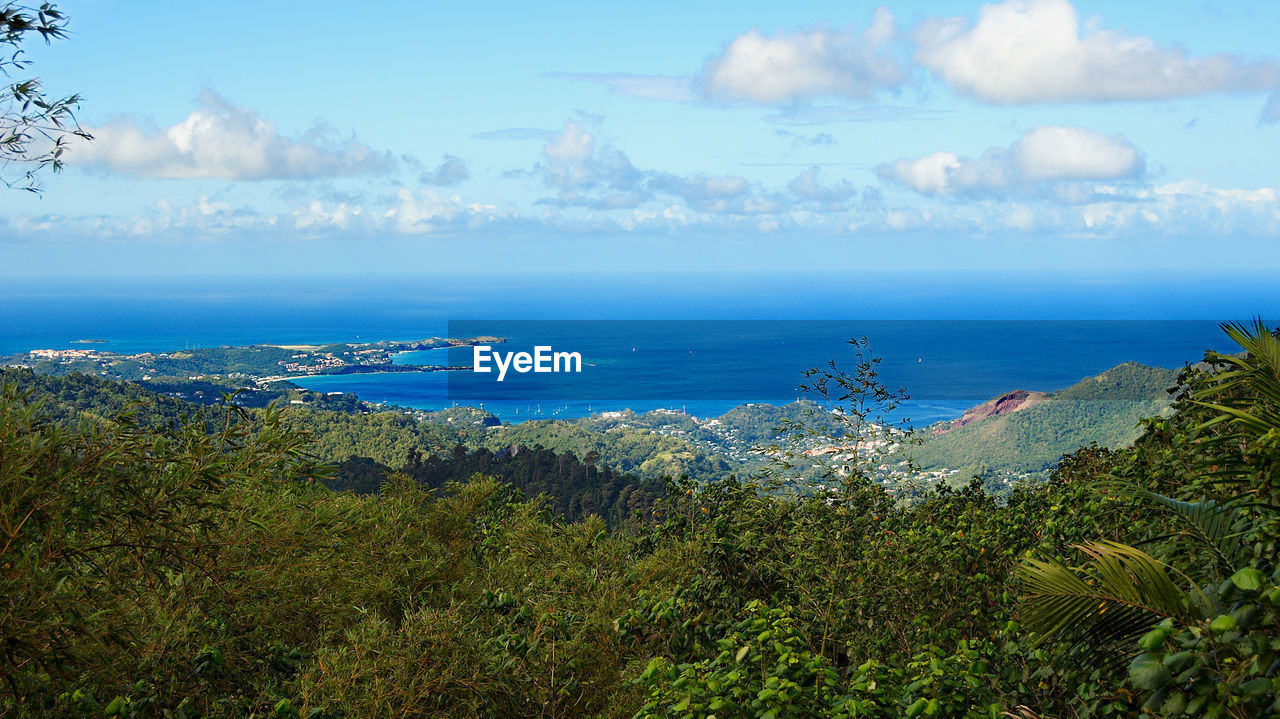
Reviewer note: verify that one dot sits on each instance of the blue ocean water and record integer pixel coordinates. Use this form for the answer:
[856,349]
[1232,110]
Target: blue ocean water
[950,340]
[708,367]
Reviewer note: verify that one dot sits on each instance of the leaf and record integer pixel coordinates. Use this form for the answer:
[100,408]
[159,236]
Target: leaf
[1147,673]
[1249,579]
[1213,524]
[1118,595]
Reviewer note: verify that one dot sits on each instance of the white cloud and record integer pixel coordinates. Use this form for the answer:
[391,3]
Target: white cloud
[568,155]
[1070,153]
[317,216]
[822,139]
[1029,51]
[1045,156]
[929,175]
[599,176]
[223,141]
[428,212]
[803,65]
[451,171]
[1188,207]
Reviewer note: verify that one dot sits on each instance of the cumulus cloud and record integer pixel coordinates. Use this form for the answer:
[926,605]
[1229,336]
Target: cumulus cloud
[1045,156]
[596,175]
[316,215]
[803,65]
[1072,153]
[569,156]
[423,212]
[220,140]
[1032,51]
[451,171]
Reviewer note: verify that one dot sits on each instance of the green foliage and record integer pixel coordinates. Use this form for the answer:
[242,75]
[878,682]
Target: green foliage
[1105,409]
[183,572]
[111,511]
[1115,596]
[853,404]
[761,669]
[30,119]
[636,451]
[188,567]
[569,487]
[77,397]
[1208,641]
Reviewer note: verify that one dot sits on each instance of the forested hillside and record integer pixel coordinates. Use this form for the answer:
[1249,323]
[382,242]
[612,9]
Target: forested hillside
[364,449]
[1104,409]
[189,572]
[161,569]
[630,450]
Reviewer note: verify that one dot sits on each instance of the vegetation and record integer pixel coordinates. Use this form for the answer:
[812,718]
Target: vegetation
[203,569]
[1105,409]
[34,127]
[639,451]
[1197,590]
[571,488]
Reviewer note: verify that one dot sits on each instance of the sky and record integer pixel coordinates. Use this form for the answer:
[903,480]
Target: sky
[299,137]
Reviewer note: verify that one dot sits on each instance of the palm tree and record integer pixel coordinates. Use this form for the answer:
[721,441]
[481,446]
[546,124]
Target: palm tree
[1119,592]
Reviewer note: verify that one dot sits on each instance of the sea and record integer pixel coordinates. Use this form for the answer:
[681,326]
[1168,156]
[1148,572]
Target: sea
[698,342]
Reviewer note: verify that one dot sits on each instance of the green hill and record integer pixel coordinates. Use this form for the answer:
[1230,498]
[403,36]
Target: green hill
[1104,409]
[629,449]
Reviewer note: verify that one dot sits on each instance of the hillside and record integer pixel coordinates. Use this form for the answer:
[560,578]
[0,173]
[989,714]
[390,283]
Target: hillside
[1103,409]
[642,451]
[203,571]
[366,446]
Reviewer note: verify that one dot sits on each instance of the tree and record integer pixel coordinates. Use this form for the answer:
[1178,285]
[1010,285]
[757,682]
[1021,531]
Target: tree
[34,127]
[851,419]
[1201,598]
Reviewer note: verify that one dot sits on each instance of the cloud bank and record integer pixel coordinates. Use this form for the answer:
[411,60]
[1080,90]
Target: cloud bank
[1017,52]
[1042,157]
[219,140]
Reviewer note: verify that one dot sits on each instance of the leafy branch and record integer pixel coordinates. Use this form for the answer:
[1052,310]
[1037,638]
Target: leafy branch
[35,128]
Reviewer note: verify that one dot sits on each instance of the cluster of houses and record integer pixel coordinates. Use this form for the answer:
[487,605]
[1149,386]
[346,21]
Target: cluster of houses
[63,355]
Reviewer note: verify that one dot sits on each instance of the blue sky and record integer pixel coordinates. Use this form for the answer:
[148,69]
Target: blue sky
[323,137]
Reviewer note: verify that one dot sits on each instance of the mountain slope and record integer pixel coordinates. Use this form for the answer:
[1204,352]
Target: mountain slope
[1104,409]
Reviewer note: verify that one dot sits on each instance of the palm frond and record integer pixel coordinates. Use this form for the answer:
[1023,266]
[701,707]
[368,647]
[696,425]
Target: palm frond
[1119,593]
[1258,370]
[1216,525]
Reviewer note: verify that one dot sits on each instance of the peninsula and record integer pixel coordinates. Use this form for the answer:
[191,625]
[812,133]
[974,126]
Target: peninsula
[256,364]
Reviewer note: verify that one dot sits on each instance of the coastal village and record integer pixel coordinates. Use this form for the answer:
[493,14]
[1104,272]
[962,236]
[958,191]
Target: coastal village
[257,364]
[744,437]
